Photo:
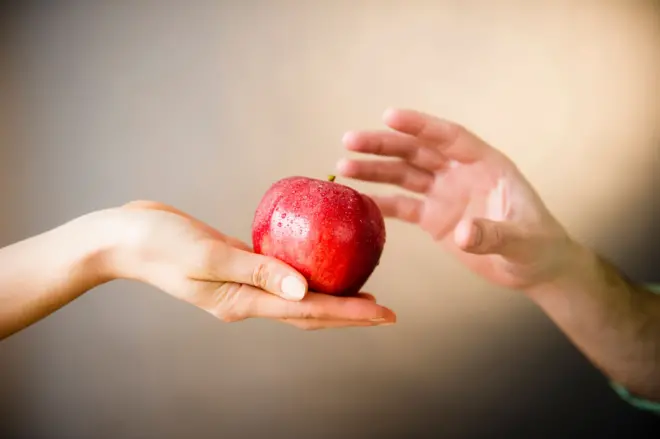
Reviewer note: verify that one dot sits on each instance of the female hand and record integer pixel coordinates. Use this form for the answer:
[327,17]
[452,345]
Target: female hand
[190,260]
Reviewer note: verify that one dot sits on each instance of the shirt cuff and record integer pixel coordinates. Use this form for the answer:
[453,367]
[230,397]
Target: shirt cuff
[640,403]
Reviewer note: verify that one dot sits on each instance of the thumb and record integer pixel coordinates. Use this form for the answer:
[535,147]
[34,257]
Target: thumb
[482,236]
[264,272]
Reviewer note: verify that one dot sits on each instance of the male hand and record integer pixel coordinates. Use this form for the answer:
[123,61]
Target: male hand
[473,198]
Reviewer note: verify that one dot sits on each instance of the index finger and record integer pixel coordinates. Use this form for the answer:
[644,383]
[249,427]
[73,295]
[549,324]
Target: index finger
[321,307]
[451,139]
[244,301]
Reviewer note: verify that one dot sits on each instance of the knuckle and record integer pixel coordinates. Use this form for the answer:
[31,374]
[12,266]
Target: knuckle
[420,182]
[209,255]
[299,312]
[454,130]
[408,211]
[307,315]
[227,303]
[374,173]
[495,237]
[379,147]
[260,275]
[410,178]
[306,312]
[417,156]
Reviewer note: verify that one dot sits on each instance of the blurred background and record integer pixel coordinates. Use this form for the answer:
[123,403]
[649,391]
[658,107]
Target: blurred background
[203,104]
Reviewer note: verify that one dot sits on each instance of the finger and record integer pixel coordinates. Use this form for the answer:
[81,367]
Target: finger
[233,302]
[405,208]
[155,205]
[237,243]
[398,173]
[452,140]
[393,144]
[366,296]
[483,236]
[312,325]
[266,273]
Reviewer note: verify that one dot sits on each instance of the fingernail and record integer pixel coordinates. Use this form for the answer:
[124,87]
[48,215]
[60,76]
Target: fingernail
[382,322]
[378,319]
[293,288]
[346,136]
[341,165]
[476,236]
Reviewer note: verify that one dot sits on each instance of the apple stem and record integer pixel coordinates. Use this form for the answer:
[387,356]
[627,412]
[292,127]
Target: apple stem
[331,177]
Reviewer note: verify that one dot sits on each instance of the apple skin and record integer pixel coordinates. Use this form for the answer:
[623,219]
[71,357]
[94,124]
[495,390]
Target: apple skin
[332,234]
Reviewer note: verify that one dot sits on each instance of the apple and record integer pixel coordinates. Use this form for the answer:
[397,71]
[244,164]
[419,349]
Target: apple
[331,233]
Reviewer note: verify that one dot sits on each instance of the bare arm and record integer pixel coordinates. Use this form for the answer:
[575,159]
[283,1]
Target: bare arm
[47,271]
[170,250]
[475,201]
[611,319]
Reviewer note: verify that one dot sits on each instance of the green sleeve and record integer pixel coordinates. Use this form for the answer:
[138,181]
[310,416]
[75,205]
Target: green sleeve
[643,404]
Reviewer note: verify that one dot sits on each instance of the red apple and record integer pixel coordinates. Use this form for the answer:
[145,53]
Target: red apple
[332,234]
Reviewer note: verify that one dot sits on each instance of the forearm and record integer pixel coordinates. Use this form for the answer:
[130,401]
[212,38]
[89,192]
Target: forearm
[613,321]
[45,272]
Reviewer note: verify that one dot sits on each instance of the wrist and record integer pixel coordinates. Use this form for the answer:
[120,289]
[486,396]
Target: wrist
[579,266]
[97,237]
[613,321]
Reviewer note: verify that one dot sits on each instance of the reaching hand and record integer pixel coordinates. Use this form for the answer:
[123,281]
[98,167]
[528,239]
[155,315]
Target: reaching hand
[190,260]
[473,198]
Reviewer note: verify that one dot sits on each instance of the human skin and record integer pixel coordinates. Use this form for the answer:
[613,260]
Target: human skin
[159,245]
[473,200]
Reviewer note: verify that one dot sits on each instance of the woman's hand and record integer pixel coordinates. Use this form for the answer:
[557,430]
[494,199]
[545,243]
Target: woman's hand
[161,246]
[190,260]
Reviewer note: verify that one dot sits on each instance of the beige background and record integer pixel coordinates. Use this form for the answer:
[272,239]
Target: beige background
[203,104]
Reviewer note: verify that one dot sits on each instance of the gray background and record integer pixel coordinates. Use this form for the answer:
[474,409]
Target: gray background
[203,104]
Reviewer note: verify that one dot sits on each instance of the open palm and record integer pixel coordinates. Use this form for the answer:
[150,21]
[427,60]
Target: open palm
[473,198]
